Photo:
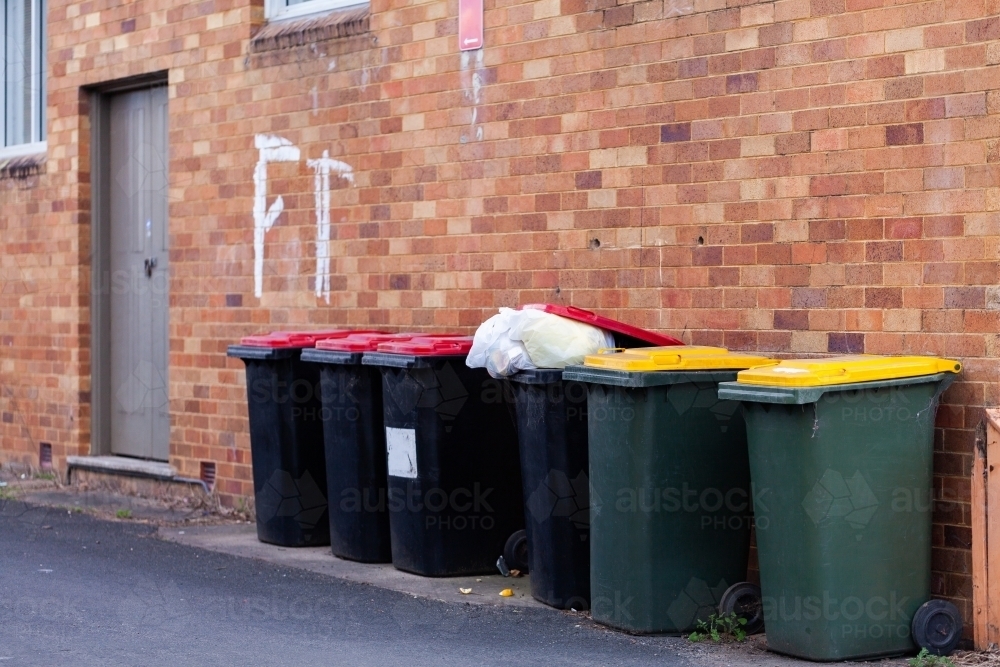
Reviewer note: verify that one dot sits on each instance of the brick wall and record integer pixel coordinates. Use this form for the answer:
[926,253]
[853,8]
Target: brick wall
[790,177]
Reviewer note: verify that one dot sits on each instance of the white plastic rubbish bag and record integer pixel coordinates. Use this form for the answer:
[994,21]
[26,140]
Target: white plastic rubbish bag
[516,340]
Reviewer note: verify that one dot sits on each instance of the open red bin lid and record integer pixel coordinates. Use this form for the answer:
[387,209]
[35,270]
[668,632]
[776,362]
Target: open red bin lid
[361,342]
[581,315]
[297,339]
[430,345]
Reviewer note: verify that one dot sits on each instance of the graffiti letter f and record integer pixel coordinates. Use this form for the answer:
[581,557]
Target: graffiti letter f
[270,149]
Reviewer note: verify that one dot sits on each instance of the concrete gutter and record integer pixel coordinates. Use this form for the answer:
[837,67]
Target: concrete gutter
[241,540]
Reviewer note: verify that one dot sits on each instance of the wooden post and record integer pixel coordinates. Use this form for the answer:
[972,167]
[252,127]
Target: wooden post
[986,533]
[980,588]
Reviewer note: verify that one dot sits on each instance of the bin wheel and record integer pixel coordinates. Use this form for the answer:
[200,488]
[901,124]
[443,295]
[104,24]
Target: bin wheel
[515,552]
[937,627]
[743,599]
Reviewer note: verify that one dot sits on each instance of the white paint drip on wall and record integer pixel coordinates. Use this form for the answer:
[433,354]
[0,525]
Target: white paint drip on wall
[472,83]
[677,8]
[323,167]
[371,70]
[270,149]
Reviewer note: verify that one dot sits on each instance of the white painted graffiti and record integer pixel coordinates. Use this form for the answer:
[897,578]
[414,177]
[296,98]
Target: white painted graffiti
[271,148]
[323,168]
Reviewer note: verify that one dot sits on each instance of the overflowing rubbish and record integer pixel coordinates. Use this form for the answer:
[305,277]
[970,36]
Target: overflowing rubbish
[517,340]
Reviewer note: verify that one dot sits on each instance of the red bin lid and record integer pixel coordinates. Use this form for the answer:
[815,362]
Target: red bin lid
[581,315]
[361,342]
[430,345]
[300,339]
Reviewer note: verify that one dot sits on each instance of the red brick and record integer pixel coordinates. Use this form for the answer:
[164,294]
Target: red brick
[827,230]
[904,228]
[757,233]
[926,109]
[884,251]
[847,184]
[786,144]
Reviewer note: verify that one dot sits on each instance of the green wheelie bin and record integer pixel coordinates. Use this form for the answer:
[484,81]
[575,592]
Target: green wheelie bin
[670,485]
[842,462]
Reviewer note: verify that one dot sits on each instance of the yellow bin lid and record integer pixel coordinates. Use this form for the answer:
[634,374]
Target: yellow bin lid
[847,369]
[674,358]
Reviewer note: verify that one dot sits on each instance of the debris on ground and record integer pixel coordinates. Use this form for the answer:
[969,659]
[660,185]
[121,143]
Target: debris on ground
[988,658]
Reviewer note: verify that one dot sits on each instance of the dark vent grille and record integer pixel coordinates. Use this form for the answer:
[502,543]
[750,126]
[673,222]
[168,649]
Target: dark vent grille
[45,456]
[208,474]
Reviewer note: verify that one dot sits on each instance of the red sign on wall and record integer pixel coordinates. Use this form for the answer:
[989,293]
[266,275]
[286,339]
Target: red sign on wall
[470,24]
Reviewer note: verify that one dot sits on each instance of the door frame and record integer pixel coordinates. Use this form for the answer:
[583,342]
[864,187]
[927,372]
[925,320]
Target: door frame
[100,252]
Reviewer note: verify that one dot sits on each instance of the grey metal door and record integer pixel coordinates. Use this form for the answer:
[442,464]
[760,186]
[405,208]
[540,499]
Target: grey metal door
[139,348]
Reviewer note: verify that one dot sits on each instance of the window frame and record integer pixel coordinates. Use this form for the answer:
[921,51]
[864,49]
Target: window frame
[277,10]
[39,96]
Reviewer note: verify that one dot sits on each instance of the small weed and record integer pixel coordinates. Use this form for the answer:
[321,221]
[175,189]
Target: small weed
[927,659]
[78,510]
[124,514]
[245,509]
[728,627]
[7,493]
[49,476]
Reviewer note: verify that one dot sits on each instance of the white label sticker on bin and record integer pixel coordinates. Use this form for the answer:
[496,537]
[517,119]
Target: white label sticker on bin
[401,446]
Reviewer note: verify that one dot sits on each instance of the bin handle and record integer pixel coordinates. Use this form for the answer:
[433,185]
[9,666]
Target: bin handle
[440,345]
[581,312]
[665,359]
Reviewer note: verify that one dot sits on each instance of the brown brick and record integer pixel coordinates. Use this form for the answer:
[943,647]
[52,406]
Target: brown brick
[845,343]
[798,142]
[741,83]
[777,33]
[675,132]
[692,67]
[791,319]
[883,297]
[757,233]
[809,297]
[964,297]
[587,180]
[905,88]
[826,7]
[983,30]
[902,135]
[619,16]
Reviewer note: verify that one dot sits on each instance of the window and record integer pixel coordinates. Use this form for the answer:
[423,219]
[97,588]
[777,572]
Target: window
[22,96]
[286,9]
